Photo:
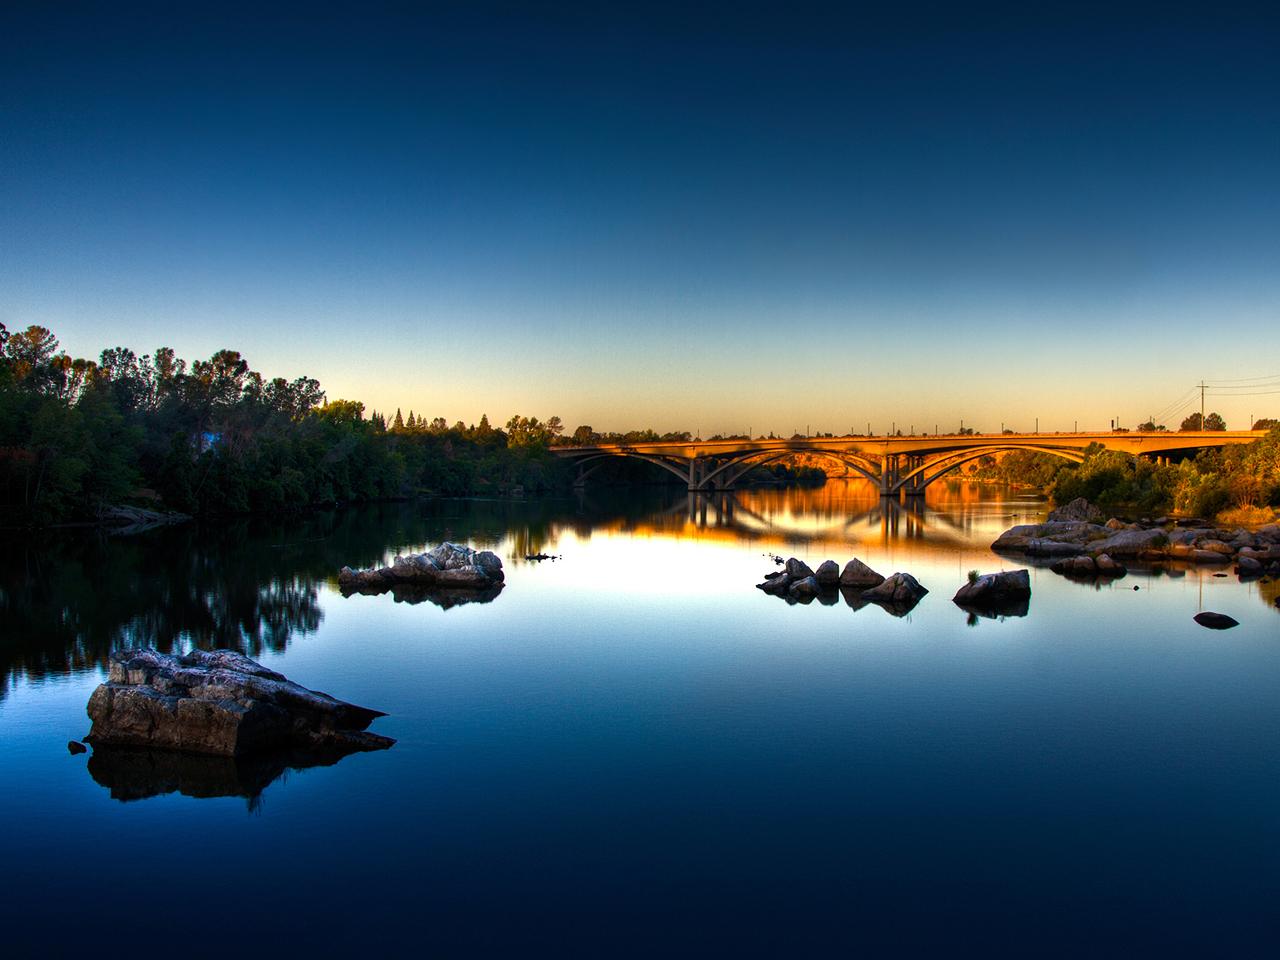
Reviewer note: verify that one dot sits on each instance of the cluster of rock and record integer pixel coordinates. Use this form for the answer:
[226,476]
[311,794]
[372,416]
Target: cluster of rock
[222,703]
[858,582]
[449,566]
[1097,548]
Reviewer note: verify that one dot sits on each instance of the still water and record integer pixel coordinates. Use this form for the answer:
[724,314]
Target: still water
[631,750]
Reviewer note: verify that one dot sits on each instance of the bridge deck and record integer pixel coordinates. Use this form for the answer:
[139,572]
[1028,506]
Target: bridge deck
[1156,442]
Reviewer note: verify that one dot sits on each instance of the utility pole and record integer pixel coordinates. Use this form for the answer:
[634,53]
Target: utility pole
[1201,404]
[1037,424]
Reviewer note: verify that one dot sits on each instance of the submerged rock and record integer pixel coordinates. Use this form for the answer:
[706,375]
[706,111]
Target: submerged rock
[1216,621]
[219,702]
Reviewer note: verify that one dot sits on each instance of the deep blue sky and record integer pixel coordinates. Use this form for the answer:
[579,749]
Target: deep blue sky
[747,216]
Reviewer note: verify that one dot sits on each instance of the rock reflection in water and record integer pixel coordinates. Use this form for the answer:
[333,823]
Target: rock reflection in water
[1015,608]
[416,593]
[137,773]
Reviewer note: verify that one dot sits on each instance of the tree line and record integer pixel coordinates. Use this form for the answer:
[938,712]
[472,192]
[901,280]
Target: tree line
[215,437]
[1242,478]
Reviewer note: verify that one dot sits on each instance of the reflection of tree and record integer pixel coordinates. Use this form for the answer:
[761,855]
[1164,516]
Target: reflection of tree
[67,600]
[1269,591]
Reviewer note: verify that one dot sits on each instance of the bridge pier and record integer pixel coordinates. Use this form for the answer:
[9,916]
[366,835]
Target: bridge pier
[915,486]
[889,471]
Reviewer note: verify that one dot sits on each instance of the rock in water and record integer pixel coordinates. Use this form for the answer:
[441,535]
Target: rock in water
[775,583]
[798,569]
[901,588]
[995,589]
[828,573]
[858,574]
[74,747]
[449,566]
[219,702]
[1216,621]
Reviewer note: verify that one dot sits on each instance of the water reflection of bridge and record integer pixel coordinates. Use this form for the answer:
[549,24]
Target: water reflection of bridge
[728,512]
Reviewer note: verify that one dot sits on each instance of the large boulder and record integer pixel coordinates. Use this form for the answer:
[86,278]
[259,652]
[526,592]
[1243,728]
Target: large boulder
[901,588]
[1058,536]
[1129,543]
[1077,509]
[222,703]
[858,574]
[993,590]
[828,573]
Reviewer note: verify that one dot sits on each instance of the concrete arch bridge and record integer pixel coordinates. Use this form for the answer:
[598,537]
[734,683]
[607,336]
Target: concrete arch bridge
[896,465]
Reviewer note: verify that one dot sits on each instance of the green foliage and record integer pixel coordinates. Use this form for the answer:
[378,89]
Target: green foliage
[973,576]
[1212,421]
[787,475]
[215,437]
[1022,467]
[1238,476]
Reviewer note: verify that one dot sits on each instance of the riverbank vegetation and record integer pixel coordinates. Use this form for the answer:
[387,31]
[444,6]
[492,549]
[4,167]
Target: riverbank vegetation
[1243,479]
[216,437]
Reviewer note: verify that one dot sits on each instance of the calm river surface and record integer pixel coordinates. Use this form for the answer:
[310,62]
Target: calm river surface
[633,750]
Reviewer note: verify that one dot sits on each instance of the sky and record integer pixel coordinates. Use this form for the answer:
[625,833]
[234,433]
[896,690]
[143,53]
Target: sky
[721,218]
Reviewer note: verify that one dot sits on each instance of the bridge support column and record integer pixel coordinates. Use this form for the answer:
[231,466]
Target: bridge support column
[915,486]
[695,475]
[889,471]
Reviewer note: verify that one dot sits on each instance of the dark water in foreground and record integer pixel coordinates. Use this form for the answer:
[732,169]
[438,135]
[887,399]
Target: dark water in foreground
[632,750]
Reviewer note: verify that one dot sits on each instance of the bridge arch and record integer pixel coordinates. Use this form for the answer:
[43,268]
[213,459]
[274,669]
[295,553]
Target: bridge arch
[757,458]
[959,458]
[679,467]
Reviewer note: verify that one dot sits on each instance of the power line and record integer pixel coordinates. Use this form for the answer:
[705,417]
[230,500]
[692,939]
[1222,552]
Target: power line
[1259,393]
[1274,376]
